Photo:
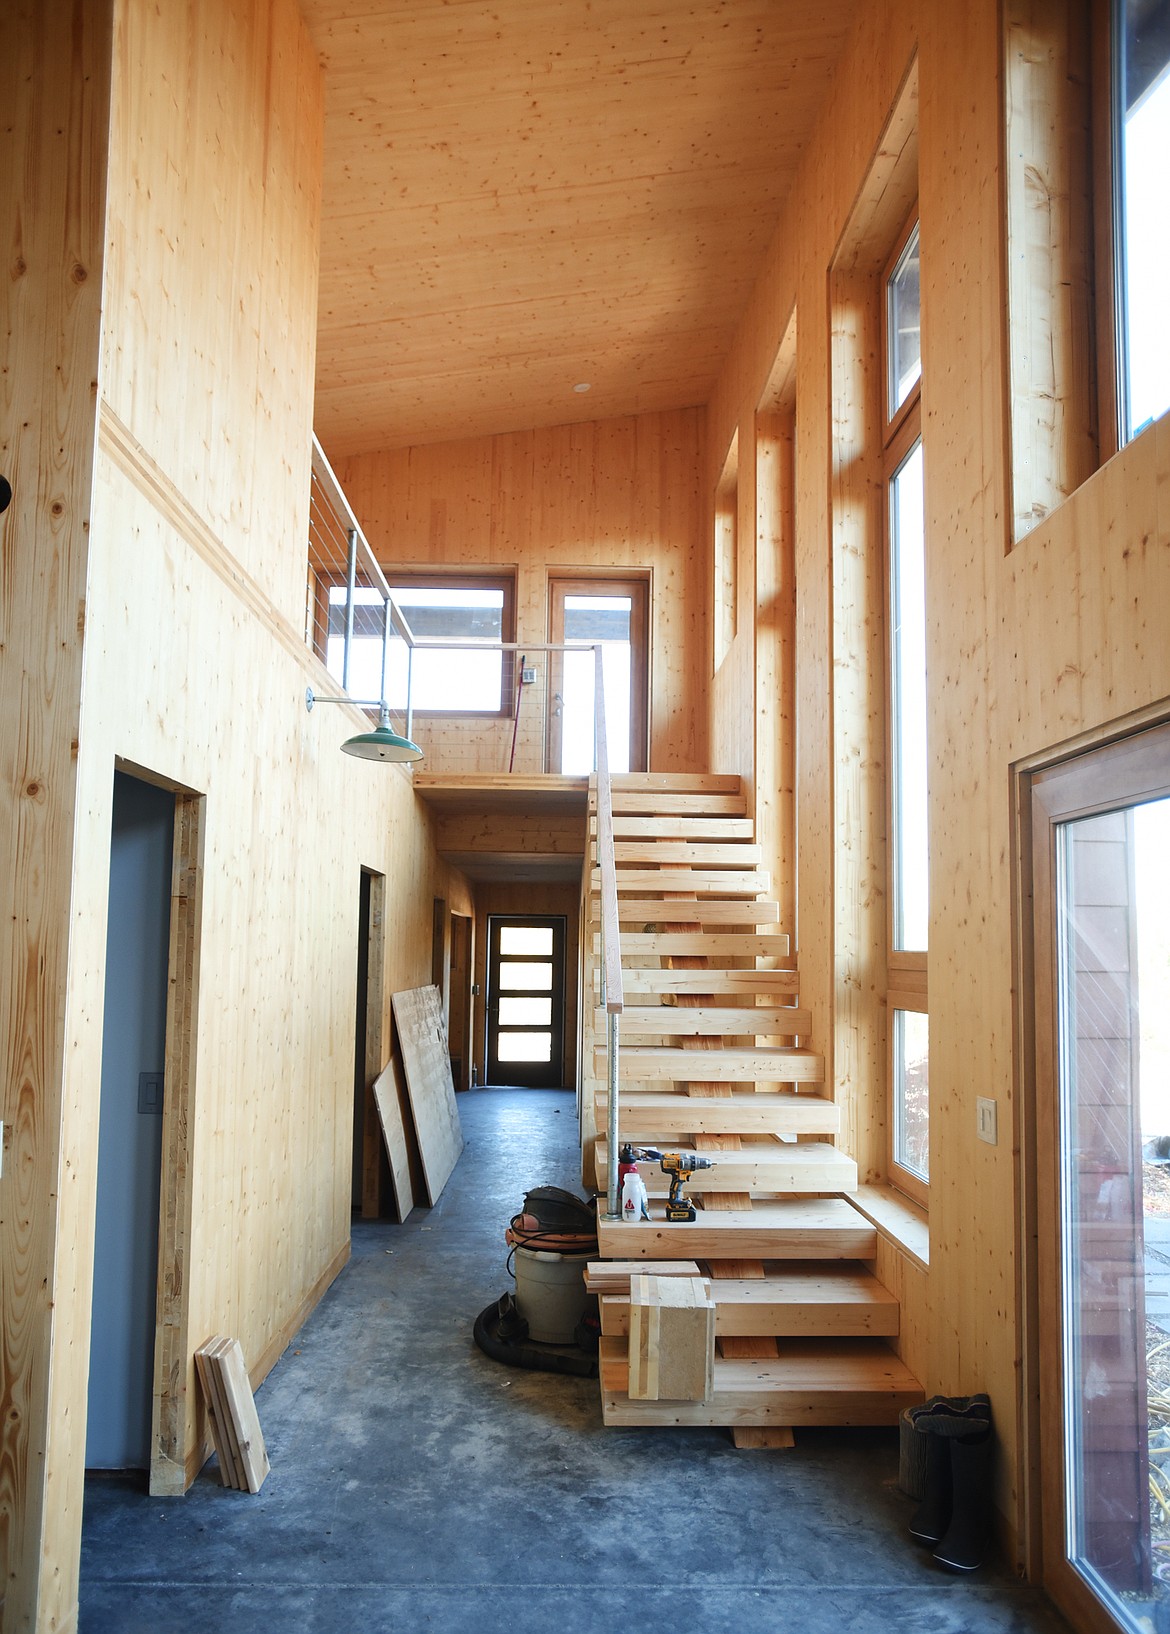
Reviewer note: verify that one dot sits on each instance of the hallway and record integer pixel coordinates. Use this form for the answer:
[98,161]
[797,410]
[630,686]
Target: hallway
[417,1485]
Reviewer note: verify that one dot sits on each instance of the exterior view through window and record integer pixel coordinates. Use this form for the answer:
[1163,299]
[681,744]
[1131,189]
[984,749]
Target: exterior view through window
[453,681]
[1113,951]
[1101,916]
[1141,149]
[614,613]
[908,839]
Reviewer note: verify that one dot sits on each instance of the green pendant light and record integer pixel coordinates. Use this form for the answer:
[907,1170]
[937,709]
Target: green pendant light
[383,743]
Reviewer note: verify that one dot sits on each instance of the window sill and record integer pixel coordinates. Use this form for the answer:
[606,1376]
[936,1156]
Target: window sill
[898,1219]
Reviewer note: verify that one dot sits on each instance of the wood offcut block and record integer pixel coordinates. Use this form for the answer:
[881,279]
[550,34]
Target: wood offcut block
[672,1339]
[235,1425]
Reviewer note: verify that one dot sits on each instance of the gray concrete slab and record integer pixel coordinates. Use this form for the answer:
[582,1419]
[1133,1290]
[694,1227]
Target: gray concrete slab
[417,1485]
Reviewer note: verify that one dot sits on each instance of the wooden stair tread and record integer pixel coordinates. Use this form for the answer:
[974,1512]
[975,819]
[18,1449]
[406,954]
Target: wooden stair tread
[811,1381]
[659,1020]
[645,1115]
[679,827]
[760,1165]
[636,982]
[771,1064]
[797,1228]
[806,1300]
[703,944]
[675,802]
[689,853]
[699,881]
[698,782]
[650,911]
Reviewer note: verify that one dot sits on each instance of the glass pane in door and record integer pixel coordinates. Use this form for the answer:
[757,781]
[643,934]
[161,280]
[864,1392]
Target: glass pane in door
[1113,905]
[596,618]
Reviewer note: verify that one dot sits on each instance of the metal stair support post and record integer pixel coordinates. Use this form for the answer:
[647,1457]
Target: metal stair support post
[611,979]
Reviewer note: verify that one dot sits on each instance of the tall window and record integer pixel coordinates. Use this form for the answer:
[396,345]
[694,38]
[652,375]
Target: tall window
[907,848]
[1141,146]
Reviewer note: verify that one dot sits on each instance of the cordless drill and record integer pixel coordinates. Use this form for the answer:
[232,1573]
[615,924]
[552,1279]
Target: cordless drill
[680,1166]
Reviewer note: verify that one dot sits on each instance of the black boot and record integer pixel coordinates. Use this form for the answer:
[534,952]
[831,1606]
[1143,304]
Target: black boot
[965,1543]
[933,1515]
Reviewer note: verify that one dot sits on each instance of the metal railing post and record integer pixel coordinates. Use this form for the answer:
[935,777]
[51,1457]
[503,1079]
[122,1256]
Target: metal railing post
[409,691]
[350,582]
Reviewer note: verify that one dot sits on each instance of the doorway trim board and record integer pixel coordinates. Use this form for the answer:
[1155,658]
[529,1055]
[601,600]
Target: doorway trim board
[373,1158]
[171,1471]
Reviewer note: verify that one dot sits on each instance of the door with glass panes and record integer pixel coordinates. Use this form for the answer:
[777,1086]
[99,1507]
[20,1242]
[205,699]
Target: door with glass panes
[526,1000]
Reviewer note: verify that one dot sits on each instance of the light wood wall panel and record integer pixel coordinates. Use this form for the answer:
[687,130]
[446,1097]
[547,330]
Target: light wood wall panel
[603,496]
[55,90]
[1028,650]
[213,263]
[193,671]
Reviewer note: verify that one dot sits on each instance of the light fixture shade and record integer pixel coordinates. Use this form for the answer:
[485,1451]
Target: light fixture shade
[381,744]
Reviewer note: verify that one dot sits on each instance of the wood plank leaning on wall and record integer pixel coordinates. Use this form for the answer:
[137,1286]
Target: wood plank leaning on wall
[55,88]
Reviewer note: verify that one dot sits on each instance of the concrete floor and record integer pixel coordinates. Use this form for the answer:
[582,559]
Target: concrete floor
[416,1485]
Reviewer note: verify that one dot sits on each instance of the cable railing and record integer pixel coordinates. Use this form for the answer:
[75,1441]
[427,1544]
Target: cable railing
[477,704]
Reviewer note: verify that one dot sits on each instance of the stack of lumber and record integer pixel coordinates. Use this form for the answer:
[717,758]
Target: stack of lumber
[235,1426]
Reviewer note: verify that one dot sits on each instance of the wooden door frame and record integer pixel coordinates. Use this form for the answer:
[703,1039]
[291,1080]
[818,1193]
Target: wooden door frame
[374,1166]
[1117,770]
[559,1004]
[176,1456]
[636,582]
[460,998]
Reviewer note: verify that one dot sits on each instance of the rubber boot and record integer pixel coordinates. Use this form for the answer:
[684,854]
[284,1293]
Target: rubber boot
[931,1519]
[965,1543]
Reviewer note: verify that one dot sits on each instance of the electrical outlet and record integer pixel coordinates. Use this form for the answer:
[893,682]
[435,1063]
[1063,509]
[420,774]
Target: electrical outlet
[985,1120]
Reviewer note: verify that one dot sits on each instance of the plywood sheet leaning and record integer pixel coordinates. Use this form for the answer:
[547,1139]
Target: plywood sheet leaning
[418,1016]
[235,1425]
[672,1339]
[388,1093]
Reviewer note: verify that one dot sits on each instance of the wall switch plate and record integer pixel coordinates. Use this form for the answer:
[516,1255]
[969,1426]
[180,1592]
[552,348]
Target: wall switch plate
[527,676]
[986,1121]
[150,1091]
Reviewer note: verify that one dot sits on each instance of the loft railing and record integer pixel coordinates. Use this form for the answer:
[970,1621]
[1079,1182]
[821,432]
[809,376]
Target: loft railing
[475,705]
[612,993]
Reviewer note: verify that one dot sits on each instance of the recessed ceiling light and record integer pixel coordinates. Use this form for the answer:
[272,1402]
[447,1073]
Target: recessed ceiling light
[582,385]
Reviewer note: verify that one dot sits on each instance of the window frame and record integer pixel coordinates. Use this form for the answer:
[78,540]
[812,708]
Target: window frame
[492,579]
[906,970]
[1111,269]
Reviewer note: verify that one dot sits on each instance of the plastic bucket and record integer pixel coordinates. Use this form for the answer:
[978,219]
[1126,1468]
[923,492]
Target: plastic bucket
[550,1293]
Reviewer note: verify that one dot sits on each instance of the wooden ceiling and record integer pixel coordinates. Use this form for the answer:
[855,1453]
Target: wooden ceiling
[525,195]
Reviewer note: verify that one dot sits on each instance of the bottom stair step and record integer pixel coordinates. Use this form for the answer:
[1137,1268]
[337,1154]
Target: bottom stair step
[817,1300]
[811,1382]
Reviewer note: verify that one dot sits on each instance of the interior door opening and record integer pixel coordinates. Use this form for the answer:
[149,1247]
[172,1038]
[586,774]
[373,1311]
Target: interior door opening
[370,1188]
[526,1001]
[130,1130]
[1101,864]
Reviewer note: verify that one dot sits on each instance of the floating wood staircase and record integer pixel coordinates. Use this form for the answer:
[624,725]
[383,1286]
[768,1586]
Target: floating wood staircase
[716,1058]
